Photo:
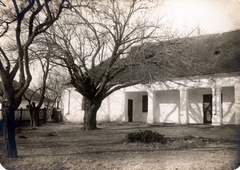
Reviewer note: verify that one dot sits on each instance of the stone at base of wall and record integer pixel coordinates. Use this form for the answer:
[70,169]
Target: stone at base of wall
[216,124]
[237,119]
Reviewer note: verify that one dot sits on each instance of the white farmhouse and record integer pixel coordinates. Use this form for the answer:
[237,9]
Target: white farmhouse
[202,96]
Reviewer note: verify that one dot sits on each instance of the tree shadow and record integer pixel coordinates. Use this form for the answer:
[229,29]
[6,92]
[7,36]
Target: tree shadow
[195,113]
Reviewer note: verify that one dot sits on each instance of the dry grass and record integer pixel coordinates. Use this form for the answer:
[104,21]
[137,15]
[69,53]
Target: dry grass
[67,146]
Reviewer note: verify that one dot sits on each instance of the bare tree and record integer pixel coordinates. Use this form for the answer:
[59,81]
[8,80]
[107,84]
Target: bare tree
[41,89]
[20,23]
[93,44]
[55,84]
[51,78]
[53,75]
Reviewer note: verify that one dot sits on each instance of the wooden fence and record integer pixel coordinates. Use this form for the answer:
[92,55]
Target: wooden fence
[22,116]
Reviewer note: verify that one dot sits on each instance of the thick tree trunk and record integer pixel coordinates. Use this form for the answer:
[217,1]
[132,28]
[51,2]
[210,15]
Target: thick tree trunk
[9,142]
[90,114]
[89,122]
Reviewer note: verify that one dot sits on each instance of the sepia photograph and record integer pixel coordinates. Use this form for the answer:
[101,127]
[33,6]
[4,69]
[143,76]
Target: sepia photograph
[119,84]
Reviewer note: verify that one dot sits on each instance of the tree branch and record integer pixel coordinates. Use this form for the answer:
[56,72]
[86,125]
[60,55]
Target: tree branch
[7,68]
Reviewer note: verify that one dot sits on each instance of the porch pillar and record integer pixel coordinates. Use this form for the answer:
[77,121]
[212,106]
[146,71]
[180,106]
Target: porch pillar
[237,103]
[183,106]
[213,101]
[151,106]
[125,113]
[67,102]
[217,106]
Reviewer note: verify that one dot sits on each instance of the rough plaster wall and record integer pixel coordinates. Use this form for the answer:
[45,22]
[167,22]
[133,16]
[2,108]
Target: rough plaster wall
[138,115]
[227,105]
[112,108]
[168,106]
[195,104]
[103,112]
[116,108]
[72,110]
[195,107]
[166,110]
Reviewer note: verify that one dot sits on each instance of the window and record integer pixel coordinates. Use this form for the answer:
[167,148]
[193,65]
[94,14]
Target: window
[144,103]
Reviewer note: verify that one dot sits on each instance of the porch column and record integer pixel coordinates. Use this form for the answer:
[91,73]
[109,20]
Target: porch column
[237,103]
[125,113]
[151,106]
[67,102]
[183,106]
[217,107]
[213,101]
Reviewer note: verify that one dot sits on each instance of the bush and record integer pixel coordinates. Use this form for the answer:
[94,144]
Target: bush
[146,136]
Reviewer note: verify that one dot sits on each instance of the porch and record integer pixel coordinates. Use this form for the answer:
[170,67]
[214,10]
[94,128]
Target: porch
[205,104]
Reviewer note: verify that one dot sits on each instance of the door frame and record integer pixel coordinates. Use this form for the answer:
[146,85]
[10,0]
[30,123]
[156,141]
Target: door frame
[130,110]
[207,98]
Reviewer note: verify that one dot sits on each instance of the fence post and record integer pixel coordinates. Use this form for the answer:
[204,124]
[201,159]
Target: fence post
[44,115]
[20,119]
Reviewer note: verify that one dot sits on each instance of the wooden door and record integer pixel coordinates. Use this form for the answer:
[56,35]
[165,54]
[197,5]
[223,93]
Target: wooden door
[207,109]
[130,110]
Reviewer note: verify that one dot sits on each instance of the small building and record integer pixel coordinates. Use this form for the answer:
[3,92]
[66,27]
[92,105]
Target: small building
[22,110]
[207,94]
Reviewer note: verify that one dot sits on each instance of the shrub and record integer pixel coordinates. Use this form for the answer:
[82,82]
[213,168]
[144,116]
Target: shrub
[146,136]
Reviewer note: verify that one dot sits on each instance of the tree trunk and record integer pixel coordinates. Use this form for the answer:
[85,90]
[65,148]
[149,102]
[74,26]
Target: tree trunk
[9,142]
[32,120]
[36,114]
[90,113]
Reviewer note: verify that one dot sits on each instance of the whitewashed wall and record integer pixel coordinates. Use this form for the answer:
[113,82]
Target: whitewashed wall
[167,104]
[227,105]
[72,106]
[111,110]
[138,115]
[195,104]
[167,98]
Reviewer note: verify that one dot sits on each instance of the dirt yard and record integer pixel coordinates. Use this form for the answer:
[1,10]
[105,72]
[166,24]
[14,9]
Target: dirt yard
[59,146]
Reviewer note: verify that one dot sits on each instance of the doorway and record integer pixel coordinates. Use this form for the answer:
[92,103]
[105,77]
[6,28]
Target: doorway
[207,108]
[130,110]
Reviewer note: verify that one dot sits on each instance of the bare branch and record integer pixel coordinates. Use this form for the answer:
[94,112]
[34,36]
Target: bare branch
[1,3]
[7,68]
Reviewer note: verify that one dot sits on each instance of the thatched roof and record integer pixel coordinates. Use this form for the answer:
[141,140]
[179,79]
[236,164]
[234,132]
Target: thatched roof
[182,57]
[195,56]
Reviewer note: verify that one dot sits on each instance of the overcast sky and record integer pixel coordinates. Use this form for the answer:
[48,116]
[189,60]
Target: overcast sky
[212,16]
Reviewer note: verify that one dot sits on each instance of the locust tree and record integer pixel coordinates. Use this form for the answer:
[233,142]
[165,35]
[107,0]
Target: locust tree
[49,82]
[52,76]
[21,22]
[47,85]
[55,84]
[41,61]
[94,42]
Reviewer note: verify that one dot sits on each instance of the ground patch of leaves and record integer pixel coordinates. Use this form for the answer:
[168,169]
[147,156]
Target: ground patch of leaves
[186,142]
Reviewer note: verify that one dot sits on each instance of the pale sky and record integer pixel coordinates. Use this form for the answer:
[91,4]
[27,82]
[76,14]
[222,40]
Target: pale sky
[212,16]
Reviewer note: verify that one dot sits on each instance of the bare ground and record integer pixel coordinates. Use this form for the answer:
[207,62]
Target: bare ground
[59,146]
